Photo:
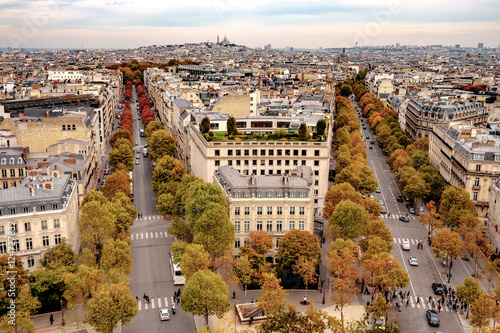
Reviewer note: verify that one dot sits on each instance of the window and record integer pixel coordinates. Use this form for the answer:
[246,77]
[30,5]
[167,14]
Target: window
[246,225]
[254,152]
[246,163]
[295,152]
[16,245]
[271,152]
[259,210]
[45,240]
[20,172]
[269,194]
[295,162]
[247,241]
[259,225]
[269,210]
[217,163]
[246,195]
[217,152]
[26,209]
[474,196]
[5,184]
[44,225]
[1,211]
[287,152]
[302,194]
[279,194]
[236,210]
[279,226]
[27,226]
[57,224]
[476,182]
[57,239]
[303,162]
[29,243]
[278,163]
[262,172]
[230,162]
[277,242]
[238,152]
[237,195]
[259,194]
[279,152]
[230,152]
[12,210]
[316,153]
[301,211]
[478,166]
[497,158]
[262,152]
[270,162]
[4,173]
[301,225]
[63,127]
[262,162]
[43,207]
[31,262]
[254,162]
[12,172]
[316,163]
[3,247]
[4,161]
[237,226]
[304,152]
[287,162]
[279,210]
[291,225]
[269,226]
[247,210]
[237,243]
[246,152]
[292,194]
[479,156]
[2,230]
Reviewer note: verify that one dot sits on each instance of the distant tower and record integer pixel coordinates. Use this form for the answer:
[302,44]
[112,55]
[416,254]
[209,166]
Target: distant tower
[217,39]
[480,45]
[356,44]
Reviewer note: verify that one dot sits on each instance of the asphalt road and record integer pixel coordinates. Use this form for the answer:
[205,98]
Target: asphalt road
[430,268]
[151,244]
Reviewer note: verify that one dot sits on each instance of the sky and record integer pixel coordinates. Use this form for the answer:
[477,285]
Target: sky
[281,23]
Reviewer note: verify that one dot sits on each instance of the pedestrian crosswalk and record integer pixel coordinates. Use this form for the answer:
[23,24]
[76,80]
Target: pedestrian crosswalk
[395,216]
[150,235]
[424,303]
[154,303]
[150,217]
[412,241]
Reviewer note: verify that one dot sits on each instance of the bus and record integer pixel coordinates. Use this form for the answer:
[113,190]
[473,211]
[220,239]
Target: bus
[179,280]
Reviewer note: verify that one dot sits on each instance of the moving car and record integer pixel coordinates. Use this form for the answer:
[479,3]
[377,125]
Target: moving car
[411,209]
[413,261]
[404,218]
[405,245]
[400,198]
[371,147]
[384,210]
[378,189]
[372,142]
[438,288]
[432,318]
[381,202]
[164,314]
[137,161]
[367,138]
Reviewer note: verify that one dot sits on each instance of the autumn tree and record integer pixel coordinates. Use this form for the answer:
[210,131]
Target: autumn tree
[125,213]
[303,131]
[25,306]
[168,171]
[377,228]
[379,308]
[416,187]
[468,292]
[306,268]
[117,182]
[116,259]
[205,294]
[153,127]
[82,284]
[483,310]
[120,134]
[455,202]
[297,244]
[161,144]
[205,125]
[273,297]
[122,158]
[432,219]
[244,271]
[348,220]
[447,244]
[112,303]
[385,271]
[194,259]
[336,194]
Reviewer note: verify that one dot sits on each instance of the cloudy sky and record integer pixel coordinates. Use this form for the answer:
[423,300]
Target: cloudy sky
[297,23]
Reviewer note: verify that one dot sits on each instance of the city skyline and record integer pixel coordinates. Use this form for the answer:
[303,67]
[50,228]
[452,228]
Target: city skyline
[312,24]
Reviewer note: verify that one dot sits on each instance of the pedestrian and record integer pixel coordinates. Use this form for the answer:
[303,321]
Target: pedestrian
[337,307]
[252,299]
[407,302]
[250,322]
[138,215]
[51,319]
[234,294]
[179,292]
[141,215]
[178,300]
[144,296]
[367,303]
[439,307]
[320,290]
[418,299]
[137,298]
[147,299]
[430,298]
[373,298]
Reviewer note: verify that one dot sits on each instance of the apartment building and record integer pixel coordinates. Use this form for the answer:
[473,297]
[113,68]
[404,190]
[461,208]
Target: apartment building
[12,166]
[272,203]
[493,220]
[468,157]
[38,215]
[423,113]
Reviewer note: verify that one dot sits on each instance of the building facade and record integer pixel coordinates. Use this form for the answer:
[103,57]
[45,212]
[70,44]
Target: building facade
[39,215]
[12,166]
[272,203]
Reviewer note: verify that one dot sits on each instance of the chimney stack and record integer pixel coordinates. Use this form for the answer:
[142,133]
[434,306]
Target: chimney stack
[25,154]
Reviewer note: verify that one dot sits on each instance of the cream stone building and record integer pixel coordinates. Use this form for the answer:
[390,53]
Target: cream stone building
[468,157]
[39,216]
[272,203]
[493,221]
[12,166]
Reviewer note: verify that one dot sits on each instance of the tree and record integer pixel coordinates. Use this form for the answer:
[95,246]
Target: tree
[94,195]
[376,245]
[231,126]
[482,310]
[205,294]
[125,213]
[379,308]
[82,284]
[337,193]
[368,183]
[303,131]
[296,244]
[117,182]
[194,259]
[255,250]
[433,219]
[168,170]
[306,268]
[116,257]
[122,158]
[25,306]
[273,298]
[377,228]
[385,271]
[161,144]
[153,127]
[455,202]
[244,271]
[321,126]
[345,90]
[468,292]
[348,220]
[181,230]
[205,125]
[112,303]
[120,134]
[416,187]
[447,244]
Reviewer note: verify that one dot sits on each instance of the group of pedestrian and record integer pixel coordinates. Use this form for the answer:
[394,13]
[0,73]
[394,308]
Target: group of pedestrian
[139,215]
[420,245]
[177,296]
[146,298]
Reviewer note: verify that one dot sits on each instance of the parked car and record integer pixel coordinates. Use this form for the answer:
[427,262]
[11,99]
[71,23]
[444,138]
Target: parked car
[384,210]
[438,288]
[411,209]
[404,218]
[367,138]
[372,142]
[137,161]
[381,202]
[413,261]
[377,189]
[405,245]
[164,314]
[372,196]
[432,318]
[371,147]
[400,198]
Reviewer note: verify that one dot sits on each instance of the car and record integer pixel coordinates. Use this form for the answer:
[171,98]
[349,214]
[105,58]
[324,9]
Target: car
[372,196]
[438,288]
[363,195]
[405,245]
[381,202]
[411,209]
[400,198]
[384,210]
[367,138]
[413,261]
[377,189]
[164,314]
[432,318]
[404,218]
[106,171]
[137,161]
[371,147]
[138,155]
[372,142]
[364,127]
[136,143]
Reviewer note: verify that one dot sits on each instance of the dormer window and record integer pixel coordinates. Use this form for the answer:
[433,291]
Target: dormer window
[4,161]
[11,160]
[19,160]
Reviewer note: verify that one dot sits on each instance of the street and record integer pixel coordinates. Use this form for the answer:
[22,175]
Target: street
[151,244]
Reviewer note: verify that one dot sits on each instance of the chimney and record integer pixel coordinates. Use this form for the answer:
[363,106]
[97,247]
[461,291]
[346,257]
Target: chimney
[252,179]
[25,154]
[32,190]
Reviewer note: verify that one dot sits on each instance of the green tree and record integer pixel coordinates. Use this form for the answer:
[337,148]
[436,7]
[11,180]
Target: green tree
[161,144]
[26,305]
[368,182]
[297,244]
[303,131]
[205,125]
[205,294]
[152,127]
[348,220]
[122,158]
[112,303]
[168,171]
[337,193]
[116,258]
[125,213]
[321,127]
[194,259]
[416,187]
[94,195]
[244,270]
[231,126]
[468,292]
[345,90]
[306,268]
[120,134]
[181,230]
[455,202]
